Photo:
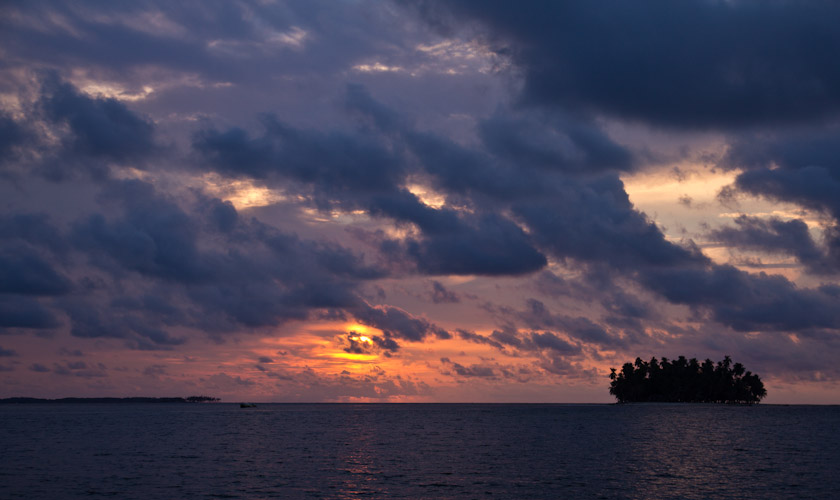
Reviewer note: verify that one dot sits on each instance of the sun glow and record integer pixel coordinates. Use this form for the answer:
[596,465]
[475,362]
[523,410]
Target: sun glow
[362,332]
[427,195]
[242,193]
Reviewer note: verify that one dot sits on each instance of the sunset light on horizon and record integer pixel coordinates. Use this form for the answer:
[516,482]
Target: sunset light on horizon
[431,201]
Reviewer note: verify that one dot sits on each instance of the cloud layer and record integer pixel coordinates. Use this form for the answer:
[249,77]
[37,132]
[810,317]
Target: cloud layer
[396,200]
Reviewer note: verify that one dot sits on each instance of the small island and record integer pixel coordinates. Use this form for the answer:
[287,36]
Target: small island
[191,399]
[686,381]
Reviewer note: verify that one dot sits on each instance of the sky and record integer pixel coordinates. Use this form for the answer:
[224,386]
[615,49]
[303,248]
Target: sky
[459,201]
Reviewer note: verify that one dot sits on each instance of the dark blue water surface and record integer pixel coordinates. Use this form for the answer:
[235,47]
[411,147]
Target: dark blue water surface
[419,451]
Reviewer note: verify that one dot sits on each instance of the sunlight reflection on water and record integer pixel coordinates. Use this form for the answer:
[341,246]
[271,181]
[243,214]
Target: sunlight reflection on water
[420,451]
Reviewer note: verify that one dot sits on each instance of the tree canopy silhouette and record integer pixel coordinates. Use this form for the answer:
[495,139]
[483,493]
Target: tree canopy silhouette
[683,380]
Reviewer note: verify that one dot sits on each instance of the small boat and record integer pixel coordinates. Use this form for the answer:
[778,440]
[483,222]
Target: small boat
[247,405]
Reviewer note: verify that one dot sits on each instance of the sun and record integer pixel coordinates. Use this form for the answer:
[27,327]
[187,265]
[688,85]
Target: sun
[359,332]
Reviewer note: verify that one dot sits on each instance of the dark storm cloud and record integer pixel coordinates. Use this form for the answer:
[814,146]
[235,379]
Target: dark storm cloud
[90,321]
[15,137]
[813,187]
[595,221]
[590,220]
[25,312]
[359,171]
[148,263]
[333,164]
[529,186]
[22,271]
[253,275]
[567,145]
[512,142]
[157,302]
[397,323]
[695,63]
[774,236]
[748,302]
[98,128]
[154,237]
[65,132]
[451,242]
[32,229]
[788,149]
[801,166]
[491,246]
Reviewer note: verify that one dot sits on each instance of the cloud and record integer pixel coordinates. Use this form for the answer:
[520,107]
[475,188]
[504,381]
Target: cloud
[479,339]
[788,148]
[7,353]
[813,187]
[548,340]
[98,128]
[396,323]
[569,145]
[38,368]
[358,171]
[25,312]
[489,245]
[88,320]
[763,63]
[338,166]
[476,370]
[441,295]
[506,337]
[15,138]
[155,371]
[35,229]
[598,223]
[538,316]
[776,236]
[22,271]
[748,302]
[155,237]
[794,165]
[220,277]
[80,369]
[449,166]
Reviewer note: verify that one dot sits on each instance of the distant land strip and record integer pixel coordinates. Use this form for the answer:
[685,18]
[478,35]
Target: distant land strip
[191,399]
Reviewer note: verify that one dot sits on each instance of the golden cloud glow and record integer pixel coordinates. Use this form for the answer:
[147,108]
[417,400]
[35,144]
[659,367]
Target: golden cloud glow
[427,195]
[241,192]
[377,67]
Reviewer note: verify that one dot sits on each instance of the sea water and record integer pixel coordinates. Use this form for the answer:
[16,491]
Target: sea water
[435,451]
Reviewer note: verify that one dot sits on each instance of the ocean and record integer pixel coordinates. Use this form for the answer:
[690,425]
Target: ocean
[419,451]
